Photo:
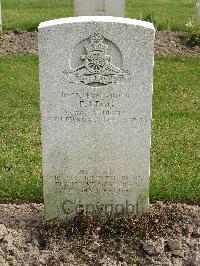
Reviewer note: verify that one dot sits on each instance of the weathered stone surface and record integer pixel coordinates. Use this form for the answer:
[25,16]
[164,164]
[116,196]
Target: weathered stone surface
[188,230]
[99,8]
[154,247]
[178,253]
[3,231]
[196,232]
[96,100]
[193,259]
[174,244]
[177,261]
[2,261]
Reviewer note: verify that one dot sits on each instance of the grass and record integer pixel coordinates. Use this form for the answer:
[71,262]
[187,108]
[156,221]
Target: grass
[166,14]
[19,129]
[27,14]
[176,145]
[175,141]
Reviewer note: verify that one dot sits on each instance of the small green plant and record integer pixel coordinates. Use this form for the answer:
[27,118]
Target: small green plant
[169,24]
[193,34]
[150,18]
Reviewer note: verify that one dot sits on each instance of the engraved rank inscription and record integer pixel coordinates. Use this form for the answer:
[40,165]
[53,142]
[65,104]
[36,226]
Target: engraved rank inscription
[95,67]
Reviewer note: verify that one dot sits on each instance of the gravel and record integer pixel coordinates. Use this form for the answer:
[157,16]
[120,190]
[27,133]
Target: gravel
[167,43]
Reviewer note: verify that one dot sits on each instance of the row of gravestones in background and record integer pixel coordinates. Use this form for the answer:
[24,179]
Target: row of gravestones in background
[102,8]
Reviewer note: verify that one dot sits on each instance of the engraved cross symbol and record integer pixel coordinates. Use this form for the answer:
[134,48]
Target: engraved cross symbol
[100,6]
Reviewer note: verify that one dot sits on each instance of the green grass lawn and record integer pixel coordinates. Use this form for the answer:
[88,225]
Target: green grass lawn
[27,14]
[175,141]
[176,127]
[19,128]
[165,14]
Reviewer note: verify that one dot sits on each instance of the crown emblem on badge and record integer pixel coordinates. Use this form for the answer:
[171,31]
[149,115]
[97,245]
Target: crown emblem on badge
[96,44]
[97,68]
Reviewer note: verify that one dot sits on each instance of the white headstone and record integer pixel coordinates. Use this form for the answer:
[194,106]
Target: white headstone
[96,77]
[99,8]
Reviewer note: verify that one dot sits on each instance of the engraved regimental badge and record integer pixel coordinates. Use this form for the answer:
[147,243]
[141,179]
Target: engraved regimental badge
[96,62]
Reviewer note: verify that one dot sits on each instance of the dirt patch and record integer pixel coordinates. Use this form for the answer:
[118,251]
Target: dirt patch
[18,41]
[170,43]
[167,43]
[169,234]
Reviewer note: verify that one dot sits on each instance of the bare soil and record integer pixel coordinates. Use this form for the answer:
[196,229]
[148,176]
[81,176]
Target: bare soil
[169,234]
[167,43]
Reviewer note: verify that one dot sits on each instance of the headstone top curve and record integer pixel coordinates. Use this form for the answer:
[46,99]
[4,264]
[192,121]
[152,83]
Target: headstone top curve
[82,19]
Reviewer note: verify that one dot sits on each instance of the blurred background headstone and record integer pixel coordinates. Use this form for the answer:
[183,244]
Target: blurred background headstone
[114,8]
